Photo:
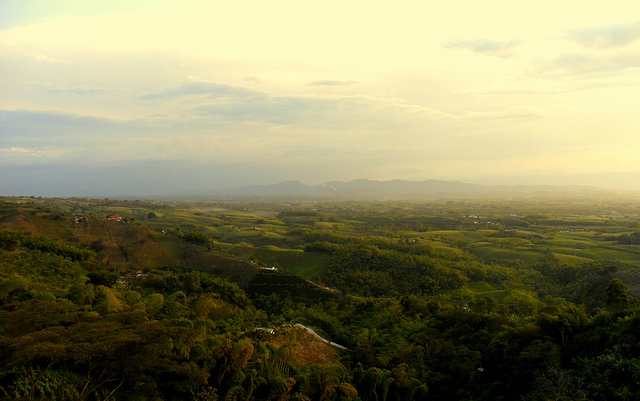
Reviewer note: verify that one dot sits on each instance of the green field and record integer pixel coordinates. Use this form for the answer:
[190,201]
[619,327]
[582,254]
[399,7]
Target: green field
[497,254]
[306,264]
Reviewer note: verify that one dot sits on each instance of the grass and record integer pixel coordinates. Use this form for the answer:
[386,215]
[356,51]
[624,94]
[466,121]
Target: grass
[481,286]
[480,289]
[305,264]
[492,253]
[570,242]
[571,260]
[444,248]
[599,254]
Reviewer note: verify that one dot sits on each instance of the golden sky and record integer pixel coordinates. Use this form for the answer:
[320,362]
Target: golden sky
[199,95]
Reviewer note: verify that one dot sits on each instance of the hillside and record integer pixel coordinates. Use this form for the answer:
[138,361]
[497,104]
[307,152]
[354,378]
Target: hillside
[123,246]
[468,299]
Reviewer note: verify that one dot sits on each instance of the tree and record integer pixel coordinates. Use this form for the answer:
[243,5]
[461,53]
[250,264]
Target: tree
[328,380]
[617,297]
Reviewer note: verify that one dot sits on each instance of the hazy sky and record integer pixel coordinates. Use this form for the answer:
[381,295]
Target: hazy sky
[150,97]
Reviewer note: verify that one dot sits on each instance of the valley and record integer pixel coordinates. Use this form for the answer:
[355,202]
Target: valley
[466,297]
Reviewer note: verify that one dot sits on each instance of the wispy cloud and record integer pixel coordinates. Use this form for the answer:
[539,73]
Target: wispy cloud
[48,152]
[24,124]
[202,88]
[485,47]
[76,90]
[513,114]
[607,37]
[230,104]
[47,59]
[561,87]
[332,83]
[588,65]
[246,125]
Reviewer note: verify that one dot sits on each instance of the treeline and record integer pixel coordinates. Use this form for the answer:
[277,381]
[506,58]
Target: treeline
[584,285]
[370,271]
[11,240]
[626,239]
[386,267]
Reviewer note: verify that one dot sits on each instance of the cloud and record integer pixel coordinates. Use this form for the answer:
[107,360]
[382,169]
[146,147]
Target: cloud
[254,80]
[229,104]
[607,37]
[507,115]
[20,153]
[588,65]
[77,90]
[203,88]
[332,83]
[485,47]
[50,60]
[28,136]
[561,87]
[12,46]
[20,125]
[207,125]
[406,171]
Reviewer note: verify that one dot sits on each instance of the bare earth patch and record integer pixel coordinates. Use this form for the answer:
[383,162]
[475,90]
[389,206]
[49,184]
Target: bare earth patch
[304,348]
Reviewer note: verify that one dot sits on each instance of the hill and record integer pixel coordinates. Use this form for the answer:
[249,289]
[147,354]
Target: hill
[122,246]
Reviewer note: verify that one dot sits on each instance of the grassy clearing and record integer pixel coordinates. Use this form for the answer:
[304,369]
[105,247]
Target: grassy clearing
[242,251]
[330,226]
[570,242]
[481,287]
[571,260]
[512,243]
[492,253]
[599,254]
[459,235]
[445,248]
[305,264]
[487,290]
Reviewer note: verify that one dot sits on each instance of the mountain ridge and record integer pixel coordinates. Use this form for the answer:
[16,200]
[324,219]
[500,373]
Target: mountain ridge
[392,188]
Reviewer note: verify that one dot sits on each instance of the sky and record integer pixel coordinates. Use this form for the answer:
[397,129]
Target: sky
[143,98]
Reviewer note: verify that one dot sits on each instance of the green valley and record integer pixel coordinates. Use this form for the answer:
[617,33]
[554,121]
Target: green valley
[531,297]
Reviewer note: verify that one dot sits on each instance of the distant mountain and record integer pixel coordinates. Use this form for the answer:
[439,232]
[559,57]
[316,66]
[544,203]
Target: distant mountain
[282,188]
[401,187]
[362,188]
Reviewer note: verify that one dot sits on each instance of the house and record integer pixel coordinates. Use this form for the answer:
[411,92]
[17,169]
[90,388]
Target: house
[114,217]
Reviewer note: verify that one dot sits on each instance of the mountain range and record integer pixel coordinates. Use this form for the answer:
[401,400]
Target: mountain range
[364,188]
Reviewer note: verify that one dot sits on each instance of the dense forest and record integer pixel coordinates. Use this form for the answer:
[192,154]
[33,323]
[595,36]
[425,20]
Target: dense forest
[466,299]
